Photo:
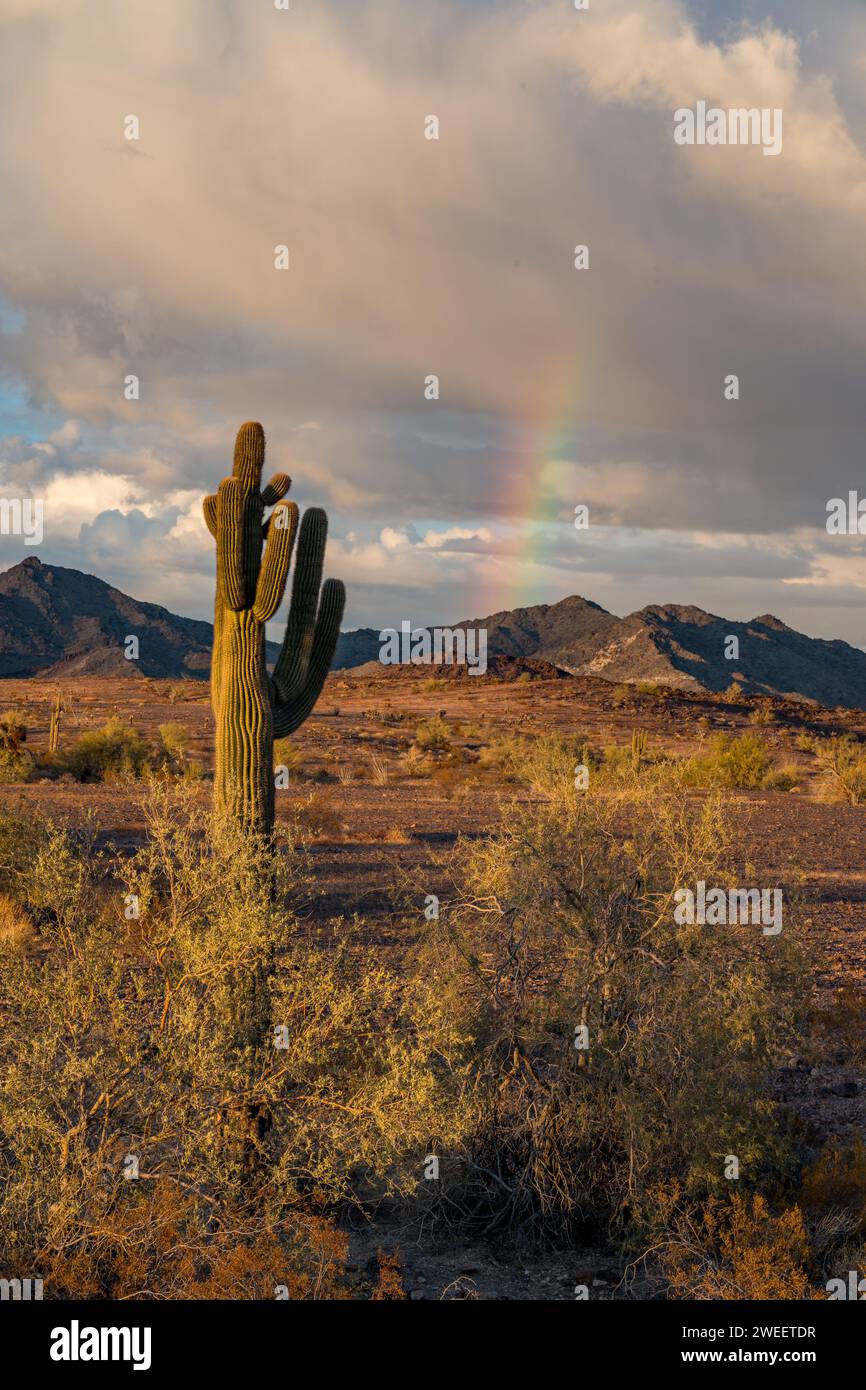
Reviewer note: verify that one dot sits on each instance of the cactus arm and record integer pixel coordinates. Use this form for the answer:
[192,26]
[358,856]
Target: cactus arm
[209,507]
[249,456]
[282,525]
[230,544]
[293,660]
[276,489]
[291,709]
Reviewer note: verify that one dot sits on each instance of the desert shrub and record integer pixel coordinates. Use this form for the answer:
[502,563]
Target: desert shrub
[433,685]
[734,691]
[736,1249]
[254,1069]
[843,762]
[546,763]
[433,735]
[23,834]
[184,691]
[505,753]
[807,743]
[784,778]
[389,1284]
[108,754]
[287,755]
[417,763]
[174,741]
[729,762]
[379,771]
[155,1239]
[16,767]
[316,816]
[563,921]
[16,763]
[763,713]
[13,731]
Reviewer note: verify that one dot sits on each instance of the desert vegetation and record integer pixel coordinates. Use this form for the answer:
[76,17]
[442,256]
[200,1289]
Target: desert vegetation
[225,1075]
[205,1088]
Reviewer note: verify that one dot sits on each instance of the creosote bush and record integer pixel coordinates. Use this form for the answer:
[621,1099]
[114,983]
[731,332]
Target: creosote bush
[433,735]
[112,753]
[730,763]
[607,1048]
[843,761]
[16,763]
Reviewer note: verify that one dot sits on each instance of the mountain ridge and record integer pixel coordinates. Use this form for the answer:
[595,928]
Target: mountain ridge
[56,621]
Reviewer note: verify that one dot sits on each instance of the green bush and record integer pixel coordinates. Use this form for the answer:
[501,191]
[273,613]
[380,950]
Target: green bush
[546,763]
[174,741]
[433,735]
[843,761]
[730,763]
[108,754]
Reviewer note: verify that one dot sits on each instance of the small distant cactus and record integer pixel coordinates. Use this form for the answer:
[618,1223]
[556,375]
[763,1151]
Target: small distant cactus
[639,744]
[57,710]
[250,707]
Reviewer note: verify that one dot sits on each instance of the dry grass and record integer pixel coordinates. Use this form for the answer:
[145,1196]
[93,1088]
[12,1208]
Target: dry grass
[16,928]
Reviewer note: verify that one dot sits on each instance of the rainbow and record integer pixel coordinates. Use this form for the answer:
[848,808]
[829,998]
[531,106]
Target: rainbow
[545,437]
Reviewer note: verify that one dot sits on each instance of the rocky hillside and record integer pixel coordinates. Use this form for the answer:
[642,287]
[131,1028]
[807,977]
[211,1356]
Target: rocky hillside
[683,647]
[57,621]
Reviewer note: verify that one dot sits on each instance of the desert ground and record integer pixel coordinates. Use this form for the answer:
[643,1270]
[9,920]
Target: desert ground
[371,819]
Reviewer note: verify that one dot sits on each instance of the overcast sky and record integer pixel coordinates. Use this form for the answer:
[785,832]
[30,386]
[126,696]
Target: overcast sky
[455,257]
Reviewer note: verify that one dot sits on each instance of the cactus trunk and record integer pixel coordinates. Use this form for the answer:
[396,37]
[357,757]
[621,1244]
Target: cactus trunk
[244,783]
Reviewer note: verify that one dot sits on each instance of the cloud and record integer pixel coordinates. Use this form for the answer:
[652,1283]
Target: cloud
[453,257]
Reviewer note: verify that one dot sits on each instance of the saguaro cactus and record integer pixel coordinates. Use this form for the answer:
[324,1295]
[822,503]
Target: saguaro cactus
[639,745]
[57,710]
[250,707]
